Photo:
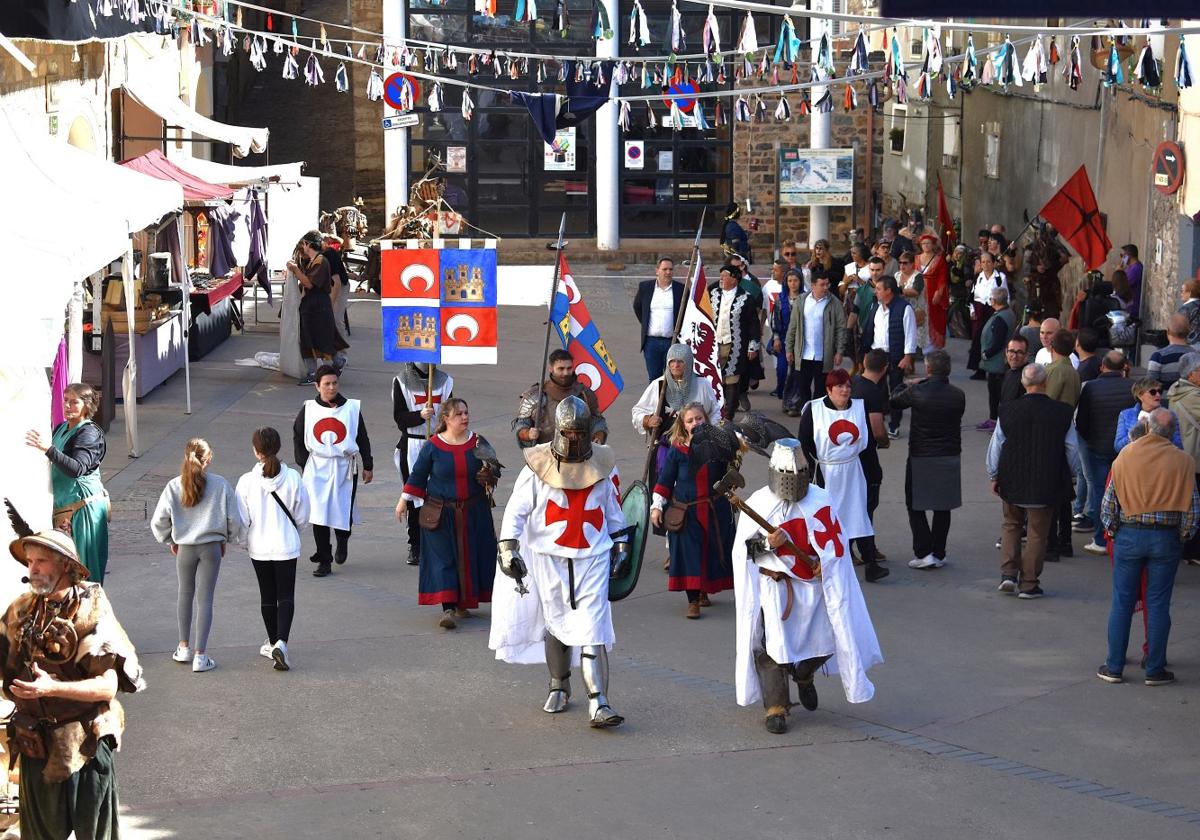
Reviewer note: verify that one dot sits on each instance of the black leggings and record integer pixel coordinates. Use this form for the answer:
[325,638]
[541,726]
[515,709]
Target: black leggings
[277,591]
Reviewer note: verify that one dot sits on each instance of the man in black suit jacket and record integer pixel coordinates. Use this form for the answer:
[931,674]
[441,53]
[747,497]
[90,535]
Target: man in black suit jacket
[658,323]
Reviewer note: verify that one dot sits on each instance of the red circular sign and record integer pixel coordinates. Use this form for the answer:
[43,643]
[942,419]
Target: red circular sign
[1168,167]
[682,94]
[393,91]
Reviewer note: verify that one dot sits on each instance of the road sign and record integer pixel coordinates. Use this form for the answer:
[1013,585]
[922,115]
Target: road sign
[394,91]
[401,121]
[1168,167]
[682,94]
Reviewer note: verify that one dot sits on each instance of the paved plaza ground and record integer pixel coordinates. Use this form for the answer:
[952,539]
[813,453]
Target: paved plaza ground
[988,721]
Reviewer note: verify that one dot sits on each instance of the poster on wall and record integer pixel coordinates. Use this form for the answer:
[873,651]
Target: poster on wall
[456,158]
[815,177]
[560,155]
[635,154]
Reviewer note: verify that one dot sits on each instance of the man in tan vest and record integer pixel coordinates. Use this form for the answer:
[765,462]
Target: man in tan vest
[1149,509]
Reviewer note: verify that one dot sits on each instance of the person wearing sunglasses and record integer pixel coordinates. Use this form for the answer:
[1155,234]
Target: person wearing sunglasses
[1148,393]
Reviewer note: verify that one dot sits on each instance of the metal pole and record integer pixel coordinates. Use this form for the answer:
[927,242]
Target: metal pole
[429,399]
[541,380]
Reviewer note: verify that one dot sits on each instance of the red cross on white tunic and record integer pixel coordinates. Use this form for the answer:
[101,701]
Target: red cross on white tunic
[797,530]
[575,514]
[421,399]
[832,532]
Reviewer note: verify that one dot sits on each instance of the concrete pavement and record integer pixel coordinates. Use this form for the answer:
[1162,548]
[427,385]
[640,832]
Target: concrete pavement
[988,719]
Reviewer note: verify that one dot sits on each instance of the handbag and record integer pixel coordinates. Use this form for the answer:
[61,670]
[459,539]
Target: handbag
[285,510]
[675,517]
[430,516]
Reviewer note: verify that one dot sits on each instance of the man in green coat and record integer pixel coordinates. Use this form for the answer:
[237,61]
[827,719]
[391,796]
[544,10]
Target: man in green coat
[815,342]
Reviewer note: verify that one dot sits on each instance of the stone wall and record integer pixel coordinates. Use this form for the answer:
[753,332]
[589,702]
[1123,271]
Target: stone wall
[63,93]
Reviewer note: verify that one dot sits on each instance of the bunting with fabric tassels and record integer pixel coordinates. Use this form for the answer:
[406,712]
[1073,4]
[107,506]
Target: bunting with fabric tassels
[824,103]
[741,110]
[783,111]
[278,48]
[760,110]
[639,26]
[1035,68]
[313,74]
[987,72]
[675,36]
[1053,56]
[952,84]
[562,21]
[258,58]
[624,117]
[1006,70]
[436,101]
[341,79]
[747,41]
[1183,66]
[933,49]
[924,86]
[1113,74]
[872,95]
[487,8]
[1073,71]
[858,56]
[676,116]
[895,64]
[290,67]
[970,65]
[468,107]
[1146,70]
[718,115]
[805,106]
[788,48]
[526,11]
[823,56]
[710,37]
[227,44]
[601,27]
[651,120]
[850,99]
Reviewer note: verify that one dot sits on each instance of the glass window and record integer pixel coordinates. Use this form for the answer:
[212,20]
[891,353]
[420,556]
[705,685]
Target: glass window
[442,29]
[502,158]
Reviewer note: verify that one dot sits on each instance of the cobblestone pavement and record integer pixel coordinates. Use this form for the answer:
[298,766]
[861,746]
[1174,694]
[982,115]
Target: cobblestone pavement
[987,722]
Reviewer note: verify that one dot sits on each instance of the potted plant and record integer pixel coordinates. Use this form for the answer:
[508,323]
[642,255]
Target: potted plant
[896,139]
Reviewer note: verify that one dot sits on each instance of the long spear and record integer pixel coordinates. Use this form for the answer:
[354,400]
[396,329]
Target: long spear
[541,379]
[652,435]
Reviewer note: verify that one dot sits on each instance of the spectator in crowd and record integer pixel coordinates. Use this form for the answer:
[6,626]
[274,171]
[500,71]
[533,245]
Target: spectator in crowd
[912,286]
[989,278]
[932,476]
[1062,380]
[1030,460]
[1190,307]
[856,271]
[931,263]
[1046,330]
[1016,355]
[992,345]
[1184,398]
[1120,290]
[1133,278]
[1148,394]
[883,250]
[1032,329]
[1151,508]
[815,341]
[1089,352]
[1164,362]
[871,387]
[1101,402]
[962,278]
[820,261]
[320,341]
[656,305]
[787,250]
[781,318]
[890,326]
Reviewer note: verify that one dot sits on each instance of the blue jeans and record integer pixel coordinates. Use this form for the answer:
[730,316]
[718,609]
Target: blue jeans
[1157,552]
[1096,466]
[1080,503]
[655,353]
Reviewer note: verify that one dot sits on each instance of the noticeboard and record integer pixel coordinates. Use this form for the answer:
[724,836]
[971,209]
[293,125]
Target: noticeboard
[816,177]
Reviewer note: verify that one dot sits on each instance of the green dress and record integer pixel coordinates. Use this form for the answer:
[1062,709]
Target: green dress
[89,525]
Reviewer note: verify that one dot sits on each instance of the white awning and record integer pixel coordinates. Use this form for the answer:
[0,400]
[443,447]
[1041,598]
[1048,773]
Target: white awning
[177,113]
[239,176]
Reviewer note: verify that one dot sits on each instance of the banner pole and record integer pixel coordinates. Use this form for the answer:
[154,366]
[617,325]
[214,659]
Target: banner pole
[541,379]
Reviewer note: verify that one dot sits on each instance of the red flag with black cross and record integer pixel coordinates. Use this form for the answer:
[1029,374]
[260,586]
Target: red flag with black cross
[946,234]
[1074,214]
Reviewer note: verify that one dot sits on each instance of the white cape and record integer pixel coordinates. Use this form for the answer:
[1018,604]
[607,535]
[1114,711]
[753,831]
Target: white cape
[829,619]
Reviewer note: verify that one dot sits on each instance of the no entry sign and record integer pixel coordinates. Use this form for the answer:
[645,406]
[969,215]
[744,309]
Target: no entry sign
[682,94]
[396,95]
[1168,167]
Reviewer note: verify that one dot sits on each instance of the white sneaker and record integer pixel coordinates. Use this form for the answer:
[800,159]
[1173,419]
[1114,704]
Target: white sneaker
[183,653]
[926,562]
[202,662]
[1093,548]
[266,649]
[279,654]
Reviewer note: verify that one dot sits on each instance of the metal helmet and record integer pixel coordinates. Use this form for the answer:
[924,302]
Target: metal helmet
[572,415]
[787,470]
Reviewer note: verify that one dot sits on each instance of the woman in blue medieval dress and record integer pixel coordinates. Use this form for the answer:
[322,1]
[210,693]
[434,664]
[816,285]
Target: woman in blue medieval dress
[458,543]
[699,522]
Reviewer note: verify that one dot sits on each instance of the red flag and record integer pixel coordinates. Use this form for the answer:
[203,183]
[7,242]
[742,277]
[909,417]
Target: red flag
[699,331]
[1074,214]
[945,222]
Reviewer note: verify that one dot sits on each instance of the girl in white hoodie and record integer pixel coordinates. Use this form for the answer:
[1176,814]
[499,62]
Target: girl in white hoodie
[274,507]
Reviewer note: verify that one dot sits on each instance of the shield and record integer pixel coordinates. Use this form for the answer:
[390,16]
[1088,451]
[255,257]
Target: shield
[636,507]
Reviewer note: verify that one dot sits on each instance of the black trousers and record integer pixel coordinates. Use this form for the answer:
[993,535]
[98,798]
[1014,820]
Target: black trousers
[866,545]
[979,315]
[414,532]
[1060,529]
[733,394]
[807,382]
[994,381]
[277,595]
[895,377]
[321,537]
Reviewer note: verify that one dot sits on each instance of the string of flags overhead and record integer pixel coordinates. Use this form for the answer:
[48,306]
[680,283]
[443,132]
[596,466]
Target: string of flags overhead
[676,81]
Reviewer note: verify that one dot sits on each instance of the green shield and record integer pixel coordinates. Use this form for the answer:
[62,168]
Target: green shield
[636,507]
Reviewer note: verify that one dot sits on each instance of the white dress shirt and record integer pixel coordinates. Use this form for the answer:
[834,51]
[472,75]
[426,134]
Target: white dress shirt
[982,292]
[662,312]
[814,328]
[1044,358]
[724,328]
[880,340]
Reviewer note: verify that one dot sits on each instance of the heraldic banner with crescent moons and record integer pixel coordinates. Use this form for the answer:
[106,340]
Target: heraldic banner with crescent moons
[439,305]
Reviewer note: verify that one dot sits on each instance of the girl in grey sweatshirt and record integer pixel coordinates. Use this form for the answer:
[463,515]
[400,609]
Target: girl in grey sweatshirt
[196,515]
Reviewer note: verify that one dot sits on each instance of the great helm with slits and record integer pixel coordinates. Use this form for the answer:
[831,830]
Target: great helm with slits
[787,470]
[572,431]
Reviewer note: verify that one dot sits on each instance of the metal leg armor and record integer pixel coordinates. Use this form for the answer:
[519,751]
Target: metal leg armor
[558,660]
[775,693]
[593,663]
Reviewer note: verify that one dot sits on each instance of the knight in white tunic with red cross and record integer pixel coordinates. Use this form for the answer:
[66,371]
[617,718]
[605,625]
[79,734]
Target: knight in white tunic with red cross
[414,404]
[332,448]
[793,620]
[562,538]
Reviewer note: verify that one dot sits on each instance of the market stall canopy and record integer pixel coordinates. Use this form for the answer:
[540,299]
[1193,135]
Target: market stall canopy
[176,112]
[156,165]
[54,20]
[240,176]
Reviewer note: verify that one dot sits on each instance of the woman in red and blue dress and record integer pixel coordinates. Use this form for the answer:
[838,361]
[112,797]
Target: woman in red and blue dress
[701,552]
[458,556]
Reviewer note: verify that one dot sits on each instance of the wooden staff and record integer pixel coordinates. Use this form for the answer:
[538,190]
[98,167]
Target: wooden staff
[728,487]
